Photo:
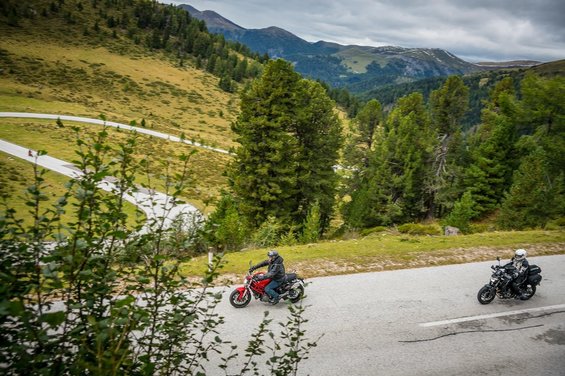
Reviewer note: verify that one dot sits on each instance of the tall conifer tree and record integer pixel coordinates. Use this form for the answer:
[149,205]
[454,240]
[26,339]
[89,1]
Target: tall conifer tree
[289,139]
[493,156]
[392,188]
[448,105]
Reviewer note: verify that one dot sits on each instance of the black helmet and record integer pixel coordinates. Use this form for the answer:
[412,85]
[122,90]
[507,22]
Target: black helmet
[272,253]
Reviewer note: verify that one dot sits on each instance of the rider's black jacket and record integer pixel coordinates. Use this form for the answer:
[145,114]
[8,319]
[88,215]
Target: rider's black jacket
[275,271]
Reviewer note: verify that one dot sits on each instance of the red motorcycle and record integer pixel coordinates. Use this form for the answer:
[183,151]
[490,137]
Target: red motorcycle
[291,288]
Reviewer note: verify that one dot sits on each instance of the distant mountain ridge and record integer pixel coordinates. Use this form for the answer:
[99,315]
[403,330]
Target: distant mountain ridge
[358,68]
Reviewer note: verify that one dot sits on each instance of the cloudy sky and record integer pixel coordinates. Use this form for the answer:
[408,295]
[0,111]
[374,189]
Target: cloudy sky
[474,30]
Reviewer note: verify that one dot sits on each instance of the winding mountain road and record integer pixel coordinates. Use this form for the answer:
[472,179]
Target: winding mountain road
[165,136]
[155,205]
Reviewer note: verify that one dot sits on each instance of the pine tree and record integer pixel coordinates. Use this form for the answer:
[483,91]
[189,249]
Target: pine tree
[365,125]
[289,137]
[535,197]
[318,132]
[542,113]
[311,229]
[448,105]
[411,142]
[462,213]
[392,188]
[492,150]
[537,194]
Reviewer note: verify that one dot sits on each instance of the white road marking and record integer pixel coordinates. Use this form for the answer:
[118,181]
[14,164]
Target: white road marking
[491,315]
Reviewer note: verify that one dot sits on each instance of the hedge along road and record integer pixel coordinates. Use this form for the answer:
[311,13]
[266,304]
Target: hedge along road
[29,115]
[156,205]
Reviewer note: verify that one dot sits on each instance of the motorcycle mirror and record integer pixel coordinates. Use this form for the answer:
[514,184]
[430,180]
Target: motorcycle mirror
[497,258]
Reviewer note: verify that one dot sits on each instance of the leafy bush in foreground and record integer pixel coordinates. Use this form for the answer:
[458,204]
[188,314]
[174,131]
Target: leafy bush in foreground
[71,304]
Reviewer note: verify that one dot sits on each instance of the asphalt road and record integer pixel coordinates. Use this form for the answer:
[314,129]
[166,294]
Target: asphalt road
[79,119]
[423,322]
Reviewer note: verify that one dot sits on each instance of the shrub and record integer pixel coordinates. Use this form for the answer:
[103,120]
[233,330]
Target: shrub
[462,213]
[70,306]
[268,234]
[419,229]
[372,230]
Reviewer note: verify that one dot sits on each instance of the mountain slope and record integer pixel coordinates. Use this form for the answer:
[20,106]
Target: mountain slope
[213,20]
[358,68]
[103,58]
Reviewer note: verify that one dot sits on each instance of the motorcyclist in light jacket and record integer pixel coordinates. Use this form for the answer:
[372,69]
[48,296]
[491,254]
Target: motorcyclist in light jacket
[275,271]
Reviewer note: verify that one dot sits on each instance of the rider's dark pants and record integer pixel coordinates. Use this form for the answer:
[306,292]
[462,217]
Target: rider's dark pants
[270,289]
[515,285]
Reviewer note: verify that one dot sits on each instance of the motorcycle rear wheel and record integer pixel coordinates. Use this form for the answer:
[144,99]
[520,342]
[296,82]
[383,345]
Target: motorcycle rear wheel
[486,294]
[529,292]
[237,302]
[296,294]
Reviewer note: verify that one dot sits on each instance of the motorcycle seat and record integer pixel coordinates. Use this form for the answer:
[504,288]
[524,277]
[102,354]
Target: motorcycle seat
[289,277]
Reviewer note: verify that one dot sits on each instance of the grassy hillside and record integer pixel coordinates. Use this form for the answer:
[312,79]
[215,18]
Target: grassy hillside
[49,64]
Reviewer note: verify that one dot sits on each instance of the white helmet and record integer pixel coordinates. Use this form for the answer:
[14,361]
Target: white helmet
[520,254]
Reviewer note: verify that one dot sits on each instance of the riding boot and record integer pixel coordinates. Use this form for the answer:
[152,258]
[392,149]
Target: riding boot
[518,293]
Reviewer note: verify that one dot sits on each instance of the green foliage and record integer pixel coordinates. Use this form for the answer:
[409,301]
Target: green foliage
[393,187]
[416,171]
[70,305]
[462,213]
[419,229]
[535,197]
[289,139]
[226,84]
[268,234]
[448,104]
[360,144]
[225,228]
[311,230]
[373,230]
[493,154]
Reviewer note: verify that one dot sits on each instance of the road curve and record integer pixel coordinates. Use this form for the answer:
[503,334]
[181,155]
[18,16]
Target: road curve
[165,136]
[155,205]
[421,322]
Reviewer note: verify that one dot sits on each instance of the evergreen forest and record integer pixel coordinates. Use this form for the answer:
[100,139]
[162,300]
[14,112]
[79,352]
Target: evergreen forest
[413,164]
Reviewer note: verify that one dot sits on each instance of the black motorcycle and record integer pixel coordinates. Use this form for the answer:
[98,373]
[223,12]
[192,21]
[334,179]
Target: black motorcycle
[501,283]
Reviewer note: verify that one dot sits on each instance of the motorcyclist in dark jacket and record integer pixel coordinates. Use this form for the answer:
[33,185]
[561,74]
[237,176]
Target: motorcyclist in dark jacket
[275,271]
[522,265]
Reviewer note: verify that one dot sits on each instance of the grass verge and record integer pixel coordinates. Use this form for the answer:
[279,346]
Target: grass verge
[387,251]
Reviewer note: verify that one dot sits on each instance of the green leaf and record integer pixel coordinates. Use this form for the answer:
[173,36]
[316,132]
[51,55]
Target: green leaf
[54,319]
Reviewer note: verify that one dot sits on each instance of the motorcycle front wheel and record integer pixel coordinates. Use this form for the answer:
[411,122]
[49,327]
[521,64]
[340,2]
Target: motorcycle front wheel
[295,294]
[486,294]
[238,302]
